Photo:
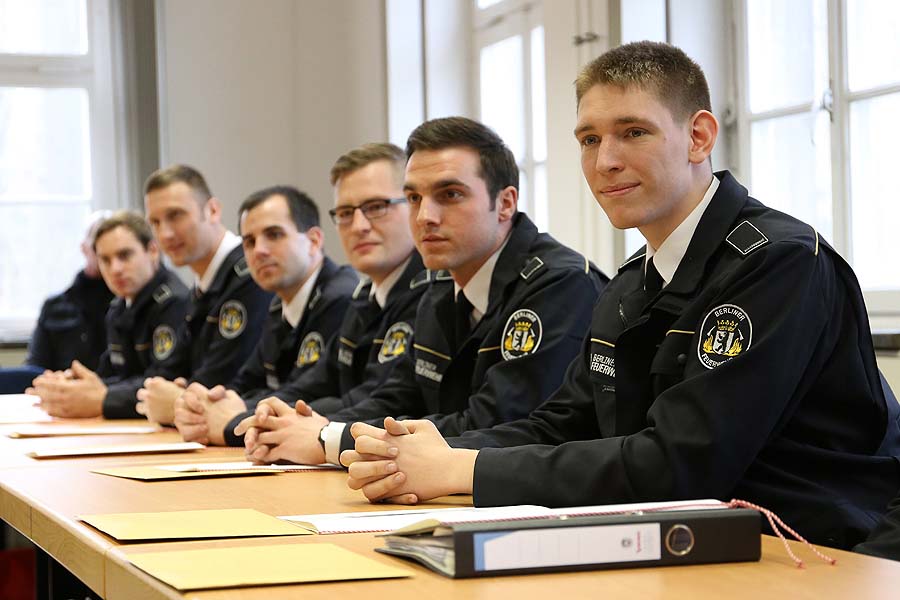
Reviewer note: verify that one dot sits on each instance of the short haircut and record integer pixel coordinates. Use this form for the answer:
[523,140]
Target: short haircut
[365,155]
[498,165]
[163,178]
[304,211]
[664,70]
[130,220]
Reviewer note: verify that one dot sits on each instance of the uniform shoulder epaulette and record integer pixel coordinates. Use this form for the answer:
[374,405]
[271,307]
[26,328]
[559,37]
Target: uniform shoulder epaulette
[745,238]
[241,268]
[427,276]
[532,266]
[365,284]
[162,293]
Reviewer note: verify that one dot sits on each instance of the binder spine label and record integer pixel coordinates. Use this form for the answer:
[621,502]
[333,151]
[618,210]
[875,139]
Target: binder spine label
[566,546]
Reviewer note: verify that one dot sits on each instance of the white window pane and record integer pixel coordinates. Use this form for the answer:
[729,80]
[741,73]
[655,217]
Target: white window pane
[40,247]
[44,144]
[538,96]
[502,92]
[791,167]
[633,241]
[487,3]
[43,27]
[541,203]
[787,52]
[874,131]
[525,200]
[873,43]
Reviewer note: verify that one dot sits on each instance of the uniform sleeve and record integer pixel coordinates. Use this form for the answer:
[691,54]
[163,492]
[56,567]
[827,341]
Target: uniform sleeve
[252,375]
[703,432]
[513,388]
[40,348]
[226,354]
[163,324]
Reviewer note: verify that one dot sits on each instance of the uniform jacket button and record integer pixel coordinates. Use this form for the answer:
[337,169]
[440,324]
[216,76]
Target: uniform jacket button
[681,359]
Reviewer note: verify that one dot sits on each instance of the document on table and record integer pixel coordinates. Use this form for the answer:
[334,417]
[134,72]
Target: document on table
[191,524]
[117,449]
[390,520]
[195,470]
[21,408]
[260,565]
[36,431]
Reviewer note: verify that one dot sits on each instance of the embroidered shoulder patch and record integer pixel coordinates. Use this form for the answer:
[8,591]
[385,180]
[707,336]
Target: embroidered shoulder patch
[396,342]
[232,319]
[310,349]
[726,332]
[163,342]
[521,335]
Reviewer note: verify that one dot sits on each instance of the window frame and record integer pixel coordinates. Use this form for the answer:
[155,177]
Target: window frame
[883,305]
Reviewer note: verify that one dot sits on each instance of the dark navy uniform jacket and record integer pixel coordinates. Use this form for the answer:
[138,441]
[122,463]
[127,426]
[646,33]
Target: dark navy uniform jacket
[223,327]
[72,326]
[284,353]
[371,342]
[142,340]
[539,306]
[751,375]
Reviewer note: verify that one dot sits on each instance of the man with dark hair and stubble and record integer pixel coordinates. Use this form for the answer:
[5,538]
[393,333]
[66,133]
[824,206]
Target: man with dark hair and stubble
[729,358]
[284,246]
[150,305]
[229,309]
[500,320]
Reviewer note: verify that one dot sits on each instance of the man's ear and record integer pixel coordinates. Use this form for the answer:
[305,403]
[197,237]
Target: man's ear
[507,201]
[213,210]
[316,239]
[704,130]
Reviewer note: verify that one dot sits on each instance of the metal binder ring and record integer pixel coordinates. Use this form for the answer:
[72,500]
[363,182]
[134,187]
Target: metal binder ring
[679,540]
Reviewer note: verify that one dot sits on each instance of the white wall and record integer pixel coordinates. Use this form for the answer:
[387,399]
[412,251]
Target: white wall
[259,93]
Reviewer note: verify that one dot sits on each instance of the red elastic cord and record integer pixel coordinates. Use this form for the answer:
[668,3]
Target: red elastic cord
[775,521]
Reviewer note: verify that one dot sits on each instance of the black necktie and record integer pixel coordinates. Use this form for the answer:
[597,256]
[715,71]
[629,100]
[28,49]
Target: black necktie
[463,318]
[652,280]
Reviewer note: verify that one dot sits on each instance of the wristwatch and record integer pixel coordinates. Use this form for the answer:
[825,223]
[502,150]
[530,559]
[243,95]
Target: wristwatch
[322,437]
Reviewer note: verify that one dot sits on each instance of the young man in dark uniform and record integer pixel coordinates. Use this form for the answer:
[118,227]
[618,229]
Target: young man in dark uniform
[141,323]
[284,247]
[377,327]
[730,358]
[229,309]
[492,337]
[71,325]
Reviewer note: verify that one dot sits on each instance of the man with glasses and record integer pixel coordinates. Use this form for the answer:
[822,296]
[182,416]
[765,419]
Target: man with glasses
[283,244]
[503,314]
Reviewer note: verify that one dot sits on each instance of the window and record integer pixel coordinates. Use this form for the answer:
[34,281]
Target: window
[509,45]
[820,95]
[56,146]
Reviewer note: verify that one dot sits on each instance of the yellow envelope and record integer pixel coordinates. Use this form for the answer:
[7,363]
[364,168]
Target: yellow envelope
[191,524]
[260,565]
[150,473]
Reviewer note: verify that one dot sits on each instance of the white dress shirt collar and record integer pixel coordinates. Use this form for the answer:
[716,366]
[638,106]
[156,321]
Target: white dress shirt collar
[292,312]
[668,256]
[381,291]
[229,242]
[478,289]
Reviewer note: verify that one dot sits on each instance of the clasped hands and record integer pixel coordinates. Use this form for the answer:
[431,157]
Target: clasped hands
[73,393]
[406,462]
[277,432]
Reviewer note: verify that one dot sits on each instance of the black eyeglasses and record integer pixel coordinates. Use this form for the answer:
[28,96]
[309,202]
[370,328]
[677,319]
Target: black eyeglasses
[371,209]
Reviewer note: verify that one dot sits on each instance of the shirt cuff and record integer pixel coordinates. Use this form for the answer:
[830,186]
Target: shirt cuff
[332,436]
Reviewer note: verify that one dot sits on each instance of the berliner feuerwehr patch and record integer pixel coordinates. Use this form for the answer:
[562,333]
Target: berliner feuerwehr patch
[726,332]
[163,342]
[521,335]
[396,341]
[232,319]
[310,349]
